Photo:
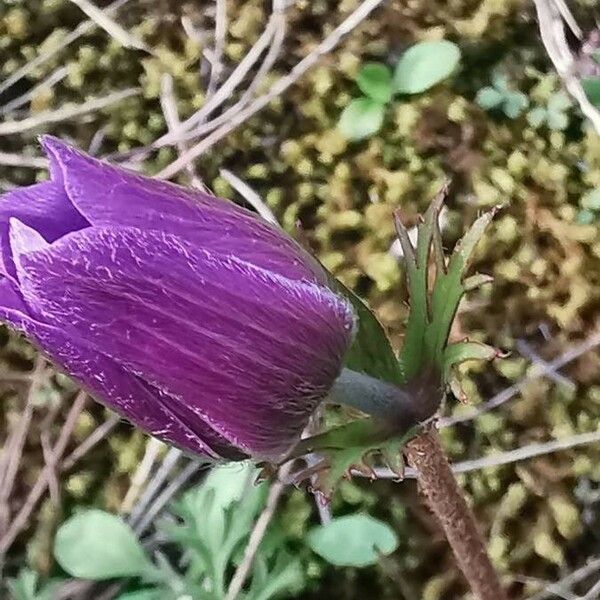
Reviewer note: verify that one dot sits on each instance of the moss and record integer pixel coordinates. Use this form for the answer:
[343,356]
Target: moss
[546,266]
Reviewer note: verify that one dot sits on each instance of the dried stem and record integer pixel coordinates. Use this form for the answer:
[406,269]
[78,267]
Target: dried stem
[256,536]
[551,17]
[21,519]
[104,21]
[445,499]
[65,113]
[280,86]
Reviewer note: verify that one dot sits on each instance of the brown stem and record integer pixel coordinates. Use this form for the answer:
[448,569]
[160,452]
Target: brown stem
[445,499]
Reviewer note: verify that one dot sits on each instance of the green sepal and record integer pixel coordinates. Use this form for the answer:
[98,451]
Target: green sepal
[352,447]
[460,352]
[371,352]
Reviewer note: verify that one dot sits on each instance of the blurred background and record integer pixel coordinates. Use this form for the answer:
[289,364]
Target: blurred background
[264,133]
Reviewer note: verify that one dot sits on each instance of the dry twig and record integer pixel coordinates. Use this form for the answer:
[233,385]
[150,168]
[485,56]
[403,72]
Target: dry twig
[21,519]
[39,60]
[552,29]
[104,21]
[538,371]
[280,86]
[257,534]
[69,111]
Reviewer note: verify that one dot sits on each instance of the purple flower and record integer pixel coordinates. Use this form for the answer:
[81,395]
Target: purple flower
[196,320]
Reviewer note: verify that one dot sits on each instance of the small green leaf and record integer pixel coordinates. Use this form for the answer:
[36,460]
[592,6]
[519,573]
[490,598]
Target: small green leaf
[514,104]
[375,81]
[489,97]
[585,217]
[353,541]
[361,118]
[591,86]
[557,120]
[98,545]
[591,200]
[424,65]
[596,56]
[500,81]
[536,116]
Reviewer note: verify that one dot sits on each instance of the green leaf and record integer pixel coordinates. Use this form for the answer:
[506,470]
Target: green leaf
[536,116]
[500,81]
[424,65]
[514,104]
[455,354]
[353,541]
[585,217]
[98,545]
[557,120]
[489,97]
[361,118]
[375,81]
[596,56]
[591,86]
[371,352]
[591,200]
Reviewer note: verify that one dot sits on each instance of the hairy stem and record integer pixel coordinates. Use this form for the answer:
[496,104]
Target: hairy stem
[445,499]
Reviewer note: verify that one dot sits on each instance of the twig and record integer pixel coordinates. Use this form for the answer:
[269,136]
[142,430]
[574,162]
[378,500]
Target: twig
[557,590]
[256,536]
[280,86]
[166,495]
[153,447]
[216,68]
[569,580]
[41,484]
[104,21]
[94,438]
[19,160]
[169,108]
[45,84]
[168,464]
[445,499]
[506,458]
[527,351]
[505,395]
[66,112]
[552,30]
[562,7]
[13,449]
[593,593]
[79,31]
[249,195]
[230,84]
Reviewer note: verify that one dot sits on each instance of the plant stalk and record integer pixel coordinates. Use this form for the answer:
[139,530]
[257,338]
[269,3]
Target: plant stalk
[445,499]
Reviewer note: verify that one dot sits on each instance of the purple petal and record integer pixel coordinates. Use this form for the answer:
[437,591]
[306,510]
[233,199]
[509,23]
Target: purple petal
[11,298]
[43,206]
[108,195]
[123,392]
[249,352]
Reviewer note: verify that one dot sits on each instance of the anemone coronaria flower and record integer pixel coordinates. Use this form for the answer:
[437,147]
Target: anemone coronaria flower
[190,316]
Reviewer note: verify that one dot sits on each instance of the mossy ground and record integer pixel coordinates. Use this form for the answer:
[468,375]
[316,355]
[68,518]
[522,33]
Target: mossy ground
[546,266]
